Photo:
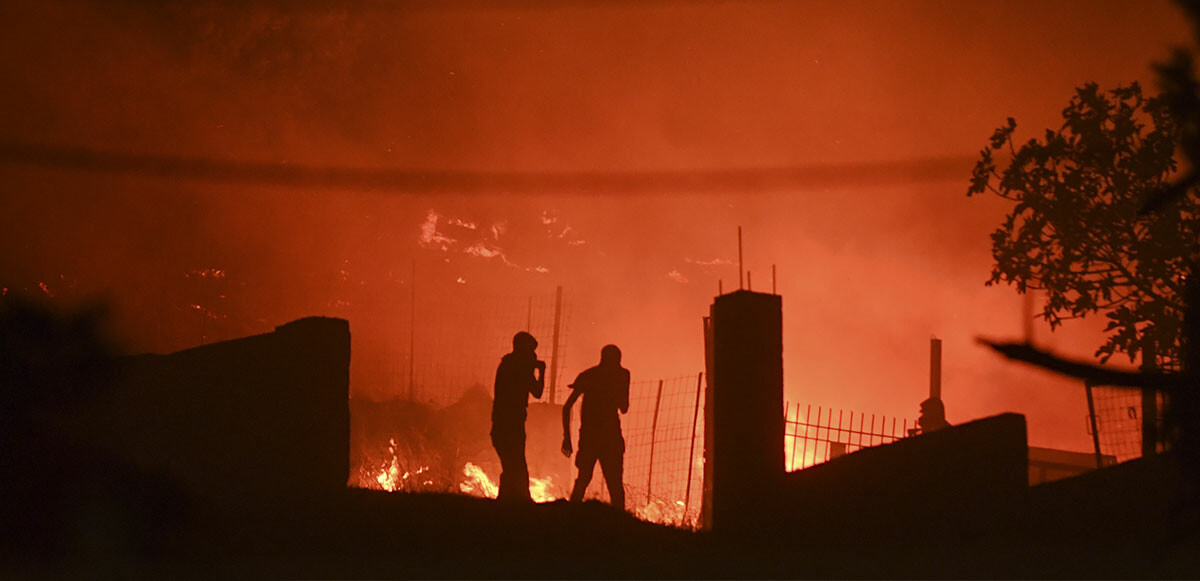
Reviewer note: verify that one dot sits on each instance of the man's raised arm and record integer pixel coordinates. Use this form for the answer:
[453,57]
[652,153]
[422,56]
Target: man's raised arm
[624,403]
[566,423]
[539,381]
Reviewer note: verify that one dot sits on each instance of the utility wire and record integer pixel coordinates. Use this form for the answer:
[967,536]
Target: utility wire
[411,181]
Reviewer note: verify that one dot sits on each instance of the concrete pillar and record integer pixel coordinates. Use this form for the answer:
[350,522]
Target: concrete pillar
[744,459]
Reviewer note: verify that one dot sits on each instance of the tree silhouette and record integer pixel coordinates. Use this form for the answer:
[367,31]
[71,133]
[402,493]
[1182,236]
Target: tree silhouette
[1076,232]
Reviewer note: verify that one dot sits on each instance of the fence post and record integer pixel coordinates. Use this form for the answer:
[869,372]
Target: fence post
[653,432]
[1149,403]
[554,343]
[687,495]
[1095,428]
[795,439]
[787,412]
[412,333]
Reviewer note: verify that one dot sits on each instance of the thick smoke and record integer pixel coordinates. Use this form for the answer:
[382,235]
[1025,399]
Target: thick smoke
[868,273]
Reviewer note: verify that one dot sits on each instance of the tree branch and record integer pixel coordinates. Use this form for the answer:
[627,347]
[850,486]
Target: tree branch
[1093,374]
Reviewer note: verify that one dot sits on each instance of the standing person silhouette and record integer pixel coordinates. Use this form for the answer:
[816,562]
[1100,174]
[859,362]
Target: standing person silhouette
[605,391]
[520,374]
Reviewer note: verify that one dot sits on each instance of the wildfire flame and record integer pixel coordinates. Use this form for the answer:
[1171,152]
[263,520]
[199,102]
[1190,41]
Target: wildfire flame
[539,489]
[390,478]
[479,484]
[665,512]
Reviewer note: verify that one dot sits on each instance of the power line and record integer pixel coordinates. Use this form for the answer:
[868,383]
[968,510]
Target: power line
[412,181]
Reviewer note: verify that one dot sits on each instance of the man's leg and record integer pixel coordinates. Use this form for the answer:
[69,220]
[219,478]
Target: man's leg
[514,474]
[585,461]
[520,477]
[612,462]
[499,444]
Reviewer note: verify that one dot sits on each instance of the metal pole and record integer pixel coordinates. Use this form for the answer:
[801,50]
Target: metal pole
[807,423]
[653,432]
[1027,315]
[740,269]
[687,496]
[554,343]
[935,368]
[787,411]
[795,439]
[412,333]
[1149,403]
[1095,428]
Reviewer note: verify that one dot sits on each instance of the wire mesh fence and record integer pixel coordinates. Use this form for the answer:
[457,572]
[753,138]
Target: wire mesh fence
[1118,420]
[456,340]
[815,436]
[664,443]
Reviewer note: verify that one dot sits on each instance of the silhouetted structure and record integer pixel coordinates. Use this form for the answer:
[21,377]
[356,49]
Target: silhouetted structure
[520,374]
[933,415]
[968,479]
[1050,465]
[743,430]
[261,415]
[605,391]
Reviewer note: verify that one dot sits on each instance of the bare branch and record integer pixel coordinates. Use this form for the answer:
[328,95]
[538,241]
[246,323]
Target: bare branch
[1093,374]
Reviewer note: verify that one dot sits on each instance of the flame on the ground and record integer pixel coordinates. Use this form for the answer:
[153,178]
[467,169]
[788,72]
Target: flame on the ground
[391,479]
[663,511]
[478,483]
[540,490]
[394,473]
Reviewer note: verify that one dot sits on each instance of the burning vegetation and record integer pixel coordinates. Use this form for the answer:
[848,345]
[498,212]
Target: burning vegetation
[405,446]
[402,446]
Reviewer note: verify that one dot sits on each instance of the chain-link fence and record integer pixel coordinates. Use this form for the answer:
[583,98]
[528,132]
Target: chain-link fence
[453,341]
[1118,415]
[664,449]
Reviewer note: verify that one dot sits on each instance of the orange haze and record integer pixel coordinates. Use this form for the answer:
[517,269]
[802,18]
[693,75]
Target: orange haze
[869,271]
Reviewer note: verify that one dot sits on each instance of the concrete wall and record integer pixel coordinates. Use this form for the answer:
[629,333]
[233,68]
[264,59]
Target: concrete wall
[966,479]
[262,416]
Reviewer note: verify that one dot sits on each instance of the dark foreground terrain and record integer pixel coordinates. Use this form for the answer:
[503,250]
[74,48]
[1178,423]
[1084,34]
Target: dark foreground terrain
[230,460]
[1102,525]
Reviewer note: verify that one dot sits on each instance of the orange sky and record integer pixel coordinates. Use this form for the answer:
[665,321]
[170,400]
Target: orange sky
[868,273]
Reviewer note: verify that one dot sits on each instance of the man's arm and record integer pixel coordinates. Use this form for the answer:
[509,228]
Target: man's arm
[624,401]
[566,423]
[539,380]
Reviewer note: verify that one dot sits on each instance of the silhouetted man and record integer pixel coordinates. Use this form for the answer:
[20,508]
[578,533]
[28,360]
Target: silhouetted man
[933,416]
[605,391]
[519,375]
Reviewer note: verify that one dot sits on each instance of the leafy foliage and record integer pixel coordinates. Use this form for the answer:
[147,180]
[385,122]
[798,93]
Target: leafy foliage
[1076,232]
